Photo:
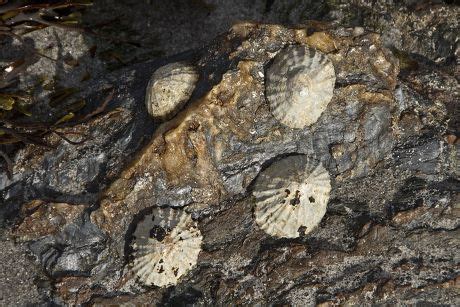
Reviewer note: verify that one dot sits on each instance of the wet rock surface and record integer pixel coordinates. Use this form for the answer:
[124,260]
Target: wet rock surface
[387,139]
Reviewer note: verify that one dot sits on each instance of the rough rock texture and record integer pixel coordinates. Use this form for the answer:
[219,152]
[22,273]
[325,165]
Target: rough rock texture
[390,233]
[19,274]
[426,28]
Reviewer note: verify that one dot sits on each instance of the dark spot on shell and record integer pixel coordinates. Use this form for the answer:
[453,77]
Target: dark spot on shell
[175,271]
[311,199]
[296,199]
[158,233]
[161,270]
[302,230]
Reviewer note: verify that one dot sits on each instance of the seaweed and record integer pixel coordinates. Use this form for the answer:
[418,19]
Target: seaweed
[20,119]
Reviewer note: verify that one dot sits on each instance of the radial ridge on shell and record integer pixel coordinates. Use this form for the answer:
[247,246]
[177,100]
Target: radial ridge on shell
[299,86]
[291,196]
[166,245]
[169,88]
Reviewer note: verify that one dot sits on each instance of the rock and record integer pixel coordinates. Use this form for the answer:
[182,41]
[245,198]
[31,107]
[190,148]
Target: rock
[21,280]
[408,25]
[42,219]
[357,139]
[390,227]
[75,251]
[80,170]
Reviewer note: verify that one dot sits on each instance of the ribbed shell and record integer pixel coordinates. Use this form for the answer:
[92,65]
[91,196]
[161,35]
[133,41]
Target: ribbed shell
[166,246]
[169,88]
[299,86]
[291,196]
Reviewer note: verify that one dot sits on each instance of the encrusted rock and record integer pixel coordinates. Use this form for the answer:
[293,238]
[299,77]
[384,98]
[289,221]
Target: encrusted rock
[384,227]
[45,218]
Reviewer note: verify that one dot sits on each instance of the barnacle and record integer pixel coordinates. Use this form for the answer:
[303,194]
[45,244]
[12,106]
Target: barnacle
[166,246]
[291,196]
[300,85]
[169,88]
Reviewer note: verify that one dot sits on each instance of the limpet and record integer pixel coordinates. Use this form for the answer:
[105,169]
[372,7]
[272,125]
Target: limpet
[166,246]
[291,196]
[169,88]
[299,86]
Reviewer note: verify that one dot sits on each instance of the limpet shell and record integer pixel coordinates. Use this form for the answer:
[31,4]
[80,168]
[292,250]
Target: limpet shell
[299,86]
[166,246]
[291,196]
[169,88]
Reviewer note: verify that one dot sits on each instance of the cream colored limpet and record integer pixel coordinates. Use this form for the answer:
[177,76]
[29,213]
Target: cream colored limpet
[291,196]
[300,85]
[166,246]
[169,88]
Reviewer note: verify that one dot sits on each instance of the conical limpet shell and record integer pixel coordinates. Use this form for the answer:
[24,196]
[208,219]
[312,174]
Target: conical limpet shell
[300,84]
[291,196]
[166,246]
[169,88]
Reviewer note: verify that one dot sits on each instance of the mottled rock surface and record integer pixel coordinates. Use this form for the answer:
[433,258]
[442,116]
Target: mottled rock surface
[387,139]
[19,274]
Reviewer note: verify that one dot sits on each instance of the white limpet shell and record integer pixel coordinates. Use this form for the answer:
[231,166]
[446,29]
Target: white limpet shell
[169,88]
[291,196]
[166,246]
[300,85]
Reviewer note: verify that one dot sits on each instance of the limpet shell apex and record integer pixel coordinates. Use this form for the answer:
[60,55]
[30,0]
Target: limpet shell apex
[299,86]
[291,196]
[169,88]
[166,246]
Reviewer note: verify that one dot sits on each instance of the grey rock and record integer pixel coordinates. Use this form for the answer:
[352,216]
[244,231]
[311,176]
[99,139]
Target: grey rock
[74,251]
[21,280]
